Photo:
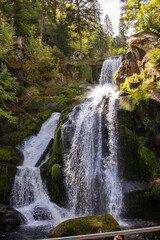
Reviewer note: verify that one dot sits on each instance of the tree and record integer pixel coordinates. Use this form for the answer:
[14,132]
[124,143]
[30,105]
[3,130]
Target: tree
[122,34]
[7,38]
[83,15]
[108,26]
[99,43]
[9,87]
[141,14]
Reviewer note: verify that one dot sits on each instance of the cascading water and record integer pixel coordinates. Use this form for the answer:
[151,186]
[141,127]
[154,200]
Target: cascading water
[91,177]
[29,195]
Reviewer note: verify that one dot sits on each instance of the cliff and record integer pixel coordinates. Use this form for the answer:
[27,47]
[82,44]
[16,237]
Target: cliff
[138,79]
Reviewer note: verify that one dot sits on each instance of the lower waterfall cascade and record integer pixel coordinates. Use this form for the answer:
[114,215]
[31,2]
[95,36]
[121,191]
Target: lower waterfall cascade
[91,176]
[29,194]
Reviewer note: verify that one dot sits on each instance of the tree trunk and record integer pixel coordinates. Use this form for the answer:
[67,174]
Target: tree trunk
[79,28]
[41,31]
[13,14]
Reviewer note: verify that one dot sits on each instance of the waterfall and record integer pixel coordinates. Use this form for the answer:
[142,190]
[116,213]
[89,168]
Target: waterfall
[29,195]
[91,174]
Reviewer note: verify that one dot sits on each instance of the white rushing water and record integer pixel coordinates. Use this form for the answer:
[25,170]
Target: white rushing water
[29,195]
[91,174]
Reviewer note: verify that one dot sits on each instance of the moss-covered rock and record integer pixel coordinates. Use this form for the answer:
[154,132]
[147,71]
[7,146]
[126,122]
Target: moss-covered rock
[52,168]
[132,165]
[11,155]
[135,59]
[85,225]
[56,173]
[9,218]
[142,204]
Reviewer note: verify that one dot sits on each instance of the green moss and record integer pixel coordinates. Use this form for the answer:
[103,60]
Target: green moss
[87,73]
[56,173]
[138,93]
[54,178]
[126,103]
[6,153]
[86,225]
[153,192]
[11,155]
[130,129]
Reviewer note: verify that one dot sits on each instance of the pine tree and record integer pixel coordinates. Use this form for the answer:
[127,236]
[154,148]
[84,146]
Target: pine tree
[108,26]
[84,15]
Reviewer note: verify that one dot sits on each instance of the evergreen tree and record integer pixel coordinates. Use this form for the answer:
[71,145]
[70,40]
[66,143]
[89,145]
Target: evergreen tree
[83,15]
[108,26]
[99,43]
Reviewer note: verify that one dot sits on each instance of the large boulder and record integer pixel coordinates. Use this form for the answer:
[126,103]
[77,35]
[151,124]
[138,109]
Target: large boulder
[135,59]
[85,225]
[9,218]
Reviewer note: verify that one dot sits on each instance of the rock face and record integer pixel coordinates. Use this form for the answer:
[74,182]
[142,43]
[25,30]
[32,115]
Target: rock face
[139,128]
[9,218]
[87,72]
[135,59]
[85,225]
[9,158]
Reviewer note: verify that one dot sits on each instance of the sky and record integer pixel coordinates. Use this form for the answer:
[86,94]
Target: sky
[112,8]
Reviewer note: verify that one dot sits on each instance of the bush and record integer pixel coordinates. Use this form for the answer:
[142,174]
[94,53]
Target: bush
[42,64]
[8,90]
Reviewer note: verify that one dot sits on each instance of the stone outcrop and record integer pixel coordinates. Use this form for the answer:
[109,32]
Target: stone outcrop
[139,127]
[9,218]
[85,225]
[135,59]
[10,157]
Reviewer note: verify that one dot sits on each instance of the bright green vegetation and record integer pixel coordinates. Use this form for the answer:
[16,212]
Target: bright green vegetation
[9,87]
[135,88]
[86,225]
[141,14]
[155,57]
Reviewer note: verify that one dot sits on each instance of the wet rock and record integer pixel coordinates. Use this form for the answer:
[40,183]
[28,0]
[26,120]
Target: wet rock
[9,158]
[85,225]
[68,129]
[9,218]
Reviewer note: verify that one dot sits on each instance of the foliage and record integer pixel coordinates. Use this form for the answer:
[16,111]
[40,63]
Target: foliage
[153,191]
[155,57]
[121,51]
[141,14]
[139,93]
[42,64]
[9,88]
[83,16]
[7,38]
[99,43]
